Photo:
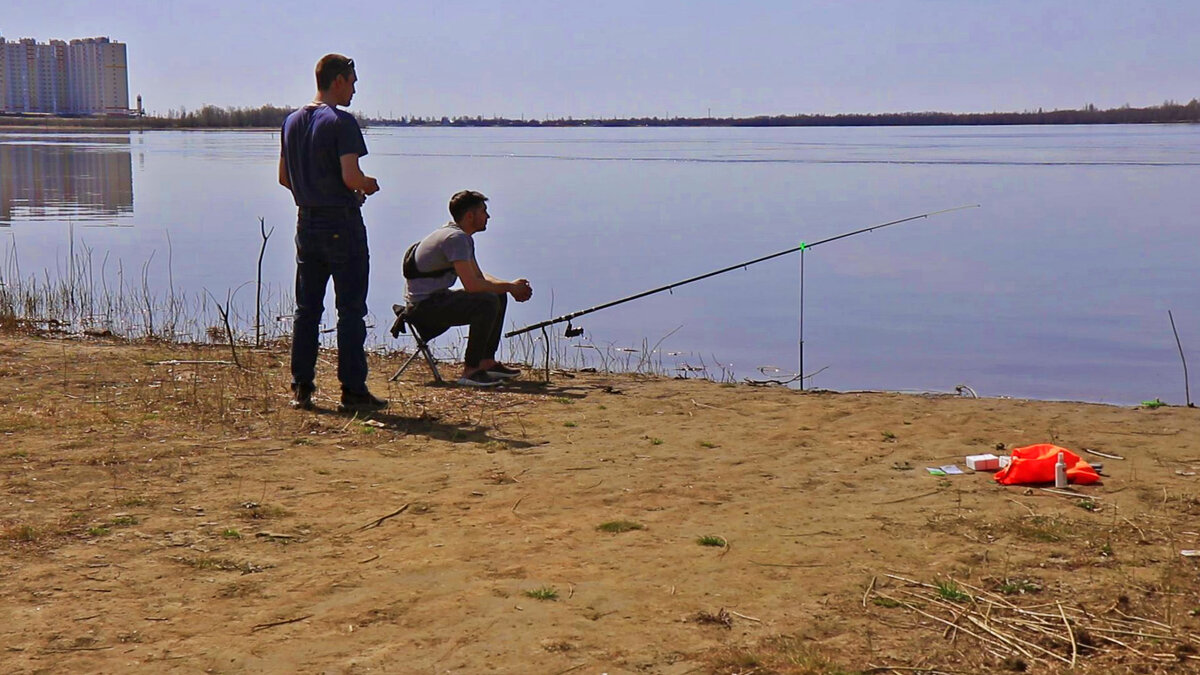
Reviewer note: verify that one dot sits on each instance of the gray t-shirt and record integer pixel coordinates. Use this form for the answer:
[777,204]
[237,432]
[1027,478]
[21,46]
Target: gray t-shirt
[441,249]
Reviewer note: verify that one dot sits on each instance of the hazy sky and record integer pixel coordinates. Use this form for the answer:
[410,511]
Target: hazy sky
[656,58]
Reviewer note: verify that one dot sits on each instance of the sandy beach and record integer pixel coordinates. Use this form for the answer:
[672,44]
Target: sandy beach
[167,513]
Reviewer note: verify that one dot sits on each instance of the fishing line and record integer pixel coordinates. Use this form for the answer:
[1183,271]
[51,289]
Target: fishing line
[573,331]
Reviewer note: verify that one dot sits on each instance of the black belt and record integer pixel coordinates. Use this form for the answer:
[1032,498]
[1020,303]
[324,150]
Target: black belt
[329,211]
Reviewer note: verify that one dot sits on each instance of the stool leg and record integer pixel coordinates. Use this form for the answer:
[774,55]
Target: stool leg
[432,363]
[424,350]
[404,367]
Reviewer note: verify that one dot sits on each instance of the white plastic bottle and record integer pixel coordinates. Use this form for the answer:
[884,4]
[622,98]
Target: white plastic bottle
[1060,472]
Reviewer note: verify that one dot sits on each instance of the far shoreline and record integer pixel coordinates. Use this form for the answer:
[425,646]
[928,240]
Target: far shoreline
[100,129]
[271,117]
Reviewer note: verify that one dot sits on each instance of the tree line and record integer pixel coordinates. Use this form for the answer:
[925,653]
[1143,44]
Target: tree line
[206,117]
[1168,112]
[211,116]
[271,116]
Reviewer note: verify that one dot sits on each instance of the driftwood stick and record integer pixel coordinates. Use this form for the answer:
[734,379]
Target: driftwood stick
[952,607]
[908,499]
[1040,604]
[985,595]
[1187,390]
[1064,493]
[808,534]
[995,654]
[1138,618]
[1011,641]
[223,311]
[1026,506]
[1140,532]
[1135,633]
[1118,642]
[939,619]
[262,230]
[1035,627]
[1016,642]
[1070,634]
[264,626]
[379,521]
[867,593]
[907,580]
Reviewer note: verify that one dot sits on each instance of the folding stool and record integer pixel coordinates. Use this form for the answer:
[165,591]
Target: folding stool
[402,325]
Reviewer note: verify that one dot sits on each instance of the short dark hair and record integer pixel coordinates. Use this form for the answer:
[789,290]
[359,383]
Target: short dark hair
[329,67]
[462,202]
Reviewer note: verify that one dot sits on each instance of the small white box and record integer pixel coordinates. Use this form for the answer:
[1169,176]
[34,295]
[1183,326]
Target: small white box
[988,462]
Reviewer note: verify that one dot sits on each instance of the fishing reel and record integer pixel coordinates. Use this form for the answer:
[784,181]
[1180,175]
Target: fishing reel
[573,331]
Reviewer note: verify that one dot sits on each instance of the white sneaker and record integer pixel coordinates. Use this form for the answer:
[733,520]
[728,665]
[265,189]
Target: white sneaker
[479,378]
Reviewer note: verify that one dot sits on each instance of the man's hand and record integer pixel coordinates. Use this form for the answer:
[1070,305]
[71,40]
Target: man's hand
[354,178]
[521,290]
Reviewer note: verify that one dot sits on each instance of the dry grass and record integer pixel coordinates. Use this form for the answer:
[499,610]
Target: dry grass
[20,533]
[618,526]
[777,655]
[1050,632]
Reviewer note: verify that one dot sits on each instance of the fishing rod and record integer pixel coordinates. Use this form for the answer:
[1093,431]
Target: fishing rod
[572,332]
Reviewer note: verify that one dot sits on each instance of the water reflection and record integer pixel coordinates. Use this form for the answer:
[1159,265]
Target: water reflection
[1057,288]
[64,176]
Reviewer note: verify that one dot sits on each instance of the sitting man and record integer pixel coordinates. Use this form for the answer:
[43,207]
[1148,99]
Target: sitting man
[430,268]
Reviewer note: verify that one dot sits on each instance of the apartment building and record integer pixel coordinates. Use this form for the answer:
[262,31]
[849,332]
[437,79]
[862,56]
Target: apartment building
[82,77]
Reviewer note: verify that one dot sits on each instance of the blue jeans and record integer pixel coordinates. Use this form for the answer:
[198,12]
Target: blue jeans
[331,245]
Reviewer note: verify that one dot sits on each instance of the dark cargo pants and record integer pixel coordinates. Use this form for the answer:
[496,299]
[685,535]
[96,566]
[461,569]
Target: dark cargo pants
[483,312]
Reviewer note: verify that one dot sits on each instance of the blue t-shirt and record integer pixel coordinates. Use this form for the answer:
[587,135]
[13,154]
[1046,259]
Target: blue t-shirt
[314,139]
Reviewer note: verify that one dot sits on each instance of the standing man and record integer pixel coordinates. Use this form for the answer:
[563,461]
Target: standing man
[431,267]
[319,164]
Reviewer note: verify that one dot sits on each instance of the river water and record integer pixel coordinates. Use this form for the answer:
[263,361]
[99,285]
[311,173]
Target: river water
[1057,287]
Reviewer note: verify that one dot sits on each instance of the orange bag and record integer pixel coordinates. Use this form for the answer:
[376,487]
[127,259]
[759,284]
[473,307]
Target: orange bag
[1035,464]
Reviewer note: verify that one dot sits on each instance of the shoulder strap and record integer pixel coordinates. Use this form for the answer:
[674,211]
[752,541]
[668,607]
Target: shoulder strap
[410,266]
